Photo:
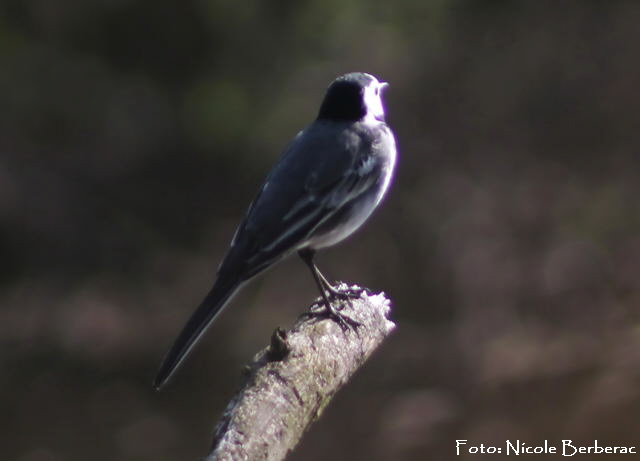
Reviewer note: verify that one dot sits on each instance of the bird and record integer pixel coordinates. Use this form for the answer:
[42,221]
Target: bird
[324,186]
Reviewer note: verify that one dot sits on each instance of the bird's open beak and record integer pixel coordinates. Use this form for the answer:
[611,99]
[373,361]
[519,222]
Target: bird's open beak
[383,86]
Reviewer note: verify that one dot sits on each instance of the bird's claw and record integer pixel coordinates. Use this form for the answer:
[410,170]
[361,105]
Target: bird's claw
[343,320]
[346,293]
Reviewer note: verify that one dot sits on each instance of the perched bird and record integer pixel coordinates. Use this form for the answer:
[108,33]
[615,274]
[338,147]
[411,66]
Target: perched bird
[325,185]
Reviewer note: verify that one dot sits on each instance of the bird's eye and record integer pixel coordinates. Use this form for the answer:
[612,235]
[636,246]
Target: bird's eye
[377,90]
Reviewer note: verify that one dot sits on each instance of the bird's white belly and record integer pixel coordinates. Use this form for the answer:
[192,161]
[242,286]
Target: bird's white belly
[360,212]
[343,230]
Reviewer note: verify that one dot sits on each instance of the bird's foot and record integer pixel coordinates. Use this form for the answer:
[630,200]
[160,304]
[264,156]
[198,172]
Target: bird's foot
[322,311]
[337,292]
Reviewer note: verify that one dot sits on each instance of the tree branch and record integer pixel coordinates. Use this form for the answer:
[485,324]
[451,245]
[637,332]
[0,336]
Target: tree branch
[290,382]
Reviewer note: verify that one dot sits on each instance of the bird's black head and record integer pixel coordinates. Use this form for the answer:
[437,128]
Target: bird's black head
[353,97]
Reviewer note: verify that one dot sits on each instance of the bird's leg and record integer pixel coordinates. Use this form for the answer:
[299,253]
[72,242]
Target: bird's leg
[324,286]
[334,292]
[347,293]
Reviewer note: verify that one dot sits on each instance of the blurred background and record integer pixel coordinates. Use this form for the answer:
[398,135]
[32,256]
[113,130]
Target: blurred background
[134,134]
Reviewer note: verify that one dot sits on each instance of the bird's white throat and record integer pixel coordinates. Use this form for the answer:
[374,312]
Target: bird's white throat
[373,101]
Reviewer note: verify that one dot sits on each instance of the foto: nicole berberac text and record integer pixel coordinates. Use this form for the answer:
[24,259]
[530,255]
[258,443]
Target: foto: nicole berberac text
[518,447]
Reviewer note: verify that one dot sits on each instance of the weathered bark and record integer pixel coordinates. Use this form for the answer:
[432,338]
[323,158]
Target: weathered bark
[291,381]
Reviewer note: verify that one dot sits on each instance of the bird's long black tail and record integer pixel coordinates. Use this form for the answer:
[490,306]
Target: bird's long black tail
[210,307]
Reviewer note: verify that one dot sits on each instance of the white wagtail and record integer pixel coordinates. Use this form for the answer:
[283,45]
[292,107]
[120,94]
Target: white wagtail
[324,187]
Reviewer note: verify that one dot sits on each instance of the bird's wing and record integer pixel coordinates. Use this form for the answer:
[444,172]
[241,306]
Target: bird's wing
[326,178]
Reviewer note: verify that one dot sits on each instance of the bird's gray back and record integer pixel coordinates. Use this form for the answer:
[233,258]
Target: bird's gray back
[287,207]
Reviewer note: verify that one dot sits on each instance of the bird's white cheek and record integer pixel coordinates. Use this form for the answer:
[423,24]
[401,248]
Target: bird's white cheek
[373,103]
